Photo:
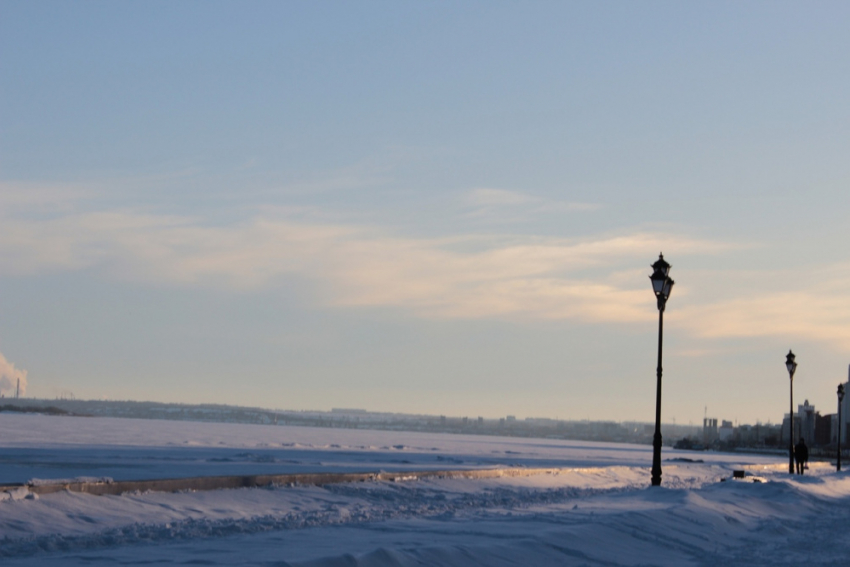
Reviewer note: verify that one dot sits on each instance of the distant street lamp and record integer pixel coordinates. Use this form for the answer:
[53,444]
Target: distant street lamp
[792,367]
[661,285]
[840,399]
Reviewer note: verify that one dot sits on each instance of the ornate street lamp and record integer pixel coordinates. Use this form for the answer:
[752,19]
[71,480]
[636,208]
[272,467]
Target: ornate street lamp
[661,285]
[792,367]
[840,399]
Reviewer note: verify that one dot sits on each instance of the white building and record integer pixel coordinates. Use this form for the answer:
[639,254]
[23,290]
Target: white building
[726,431]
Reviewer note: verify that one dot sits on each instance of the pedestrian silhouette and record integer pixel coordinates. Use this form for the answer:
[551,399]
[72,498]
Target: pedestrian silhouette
[801,455]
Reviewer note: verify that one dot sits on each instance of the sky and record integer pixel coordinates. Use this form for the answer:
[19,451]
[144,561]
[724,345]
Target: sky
[439,208]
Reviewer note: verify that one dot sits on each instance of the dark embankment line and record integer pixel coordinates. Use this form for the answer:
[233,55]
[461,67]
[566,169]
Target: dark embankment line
[254,481]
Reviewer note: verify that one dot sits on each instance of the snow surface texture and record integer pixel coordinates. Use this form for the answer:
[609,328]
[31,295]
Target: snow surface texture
[597,510]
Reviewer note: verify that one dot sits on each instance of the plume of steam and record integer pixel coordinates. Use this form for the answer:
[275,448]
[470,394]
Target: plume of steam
[9,376]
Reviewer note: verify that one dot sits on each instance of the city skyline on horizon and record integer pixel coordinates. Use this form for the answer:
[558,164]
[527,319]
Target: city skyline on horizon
[69,396]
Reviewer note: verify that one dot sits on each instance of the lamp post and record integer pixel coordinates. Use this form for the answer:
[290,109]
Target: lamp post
[661,285]
[792,367]
[840,399]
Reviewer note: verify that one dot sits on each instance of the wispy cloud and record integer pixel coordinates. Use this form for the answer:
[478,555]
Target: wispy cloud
[469,276]
[351,265]
[497,197]
[513,206]
[39,198]
[810,314]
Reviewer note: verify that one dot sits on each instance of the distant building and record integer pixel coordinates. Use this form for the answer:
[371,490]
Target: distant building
[709,431]
[805,423]
[757,435]
[823,429]
[845,418]
[834,427]
[808,421]
[786,423]
[726,431]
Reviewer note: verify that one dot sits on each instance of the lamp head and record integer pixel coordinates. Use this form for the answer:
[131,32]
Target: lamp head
[662,284]
[790,364]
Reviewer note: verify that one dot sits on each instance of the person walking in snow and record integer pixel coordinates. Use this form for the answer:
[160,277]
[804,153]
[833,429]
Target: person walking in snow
[801,455]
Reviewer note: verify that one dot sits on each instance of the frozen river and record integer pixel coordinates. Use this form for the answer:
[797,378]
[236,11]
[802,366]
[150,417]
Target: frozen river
[596,509]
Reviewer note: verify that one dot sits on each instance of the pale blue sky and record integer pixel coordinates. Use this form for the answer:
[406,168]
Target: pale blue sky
[427,207]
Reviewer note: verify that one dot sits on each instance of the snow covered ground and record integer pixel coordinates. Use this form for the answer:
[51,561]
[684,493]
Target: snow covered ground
[596,510]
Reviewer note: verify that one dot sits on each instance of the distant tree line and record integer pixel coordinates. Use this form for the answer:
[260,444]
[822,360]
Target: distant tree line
[50,410]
